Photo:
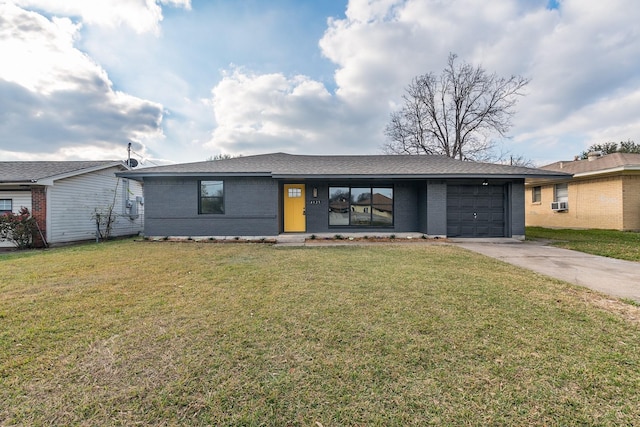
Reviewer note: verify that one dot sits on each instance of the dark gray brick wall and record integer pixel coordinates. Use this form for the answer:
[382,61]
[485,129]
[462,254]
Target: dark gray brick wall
[317,208]
[437,208]
[406,207]
[421,190]
[517,208]
[171,208]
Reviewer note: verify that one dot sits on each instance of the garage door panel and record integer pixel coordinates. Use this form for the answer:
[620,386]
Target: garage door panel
[481,230]
[466,230]
[475,211]
[497,218]
[481,202]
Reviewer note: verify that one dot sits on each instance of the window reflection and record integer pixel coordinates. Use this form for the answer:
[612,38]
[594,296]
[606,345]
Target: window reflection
[211,197]
[361,206]
[382,206]
[338,206]
[360,203]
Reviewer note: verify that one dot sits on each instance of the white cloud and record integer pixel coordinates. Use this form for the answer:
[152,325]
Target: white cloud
[582,58]
[140,15]
[254,110]
[584,67]
[41,51]
[61,101]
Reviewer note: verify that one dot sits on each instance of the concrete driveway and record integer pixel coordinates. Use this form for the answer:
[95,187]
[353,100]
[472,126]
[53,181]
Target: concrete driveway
[610,276]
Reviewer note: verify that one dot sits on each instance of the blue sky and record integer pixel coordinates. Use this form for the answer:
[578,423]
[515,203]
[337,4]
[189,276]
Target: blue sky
[186,80]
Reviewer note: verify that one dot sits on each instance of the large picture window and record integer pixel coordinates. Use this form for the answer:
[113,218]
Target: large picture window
[211,197]
[361,206]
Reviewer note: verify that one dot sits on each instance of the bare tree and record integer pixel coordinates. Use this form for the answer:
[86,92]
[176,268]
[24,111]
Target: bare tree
[454,114]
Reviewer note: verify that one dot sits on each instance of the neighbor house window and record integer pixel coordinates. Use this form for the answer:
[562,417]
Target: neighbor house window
[536,194]
[6,206]
[561,193]
[211,197]
[361,206]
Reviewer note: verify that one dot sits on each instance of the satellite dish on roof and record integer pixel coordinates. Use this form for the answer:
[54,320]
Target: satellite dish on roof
[132,163]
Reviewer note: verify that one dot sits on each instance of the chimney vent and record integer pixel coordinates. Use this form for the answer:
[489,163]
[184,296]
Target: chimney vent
[592,155]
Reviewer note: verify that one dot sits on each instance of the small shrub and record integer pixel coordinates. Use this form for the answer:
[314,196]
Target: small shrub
[18,228]
[393,236]
[338,237]
[105,218]
[313,237]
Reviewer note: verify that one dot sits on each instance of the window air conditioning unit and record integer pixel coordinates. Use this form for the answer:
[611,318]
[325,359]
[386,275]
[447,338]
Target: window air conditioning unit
[559,206]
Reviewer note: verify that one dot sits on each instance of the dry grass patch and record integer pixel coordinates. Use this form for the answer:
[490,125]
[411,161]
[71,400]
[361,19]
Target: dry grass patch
[162,333]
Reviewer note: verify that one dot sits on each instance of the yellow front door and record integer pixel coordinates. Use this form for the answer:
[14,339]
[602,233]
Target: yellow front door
[294,205]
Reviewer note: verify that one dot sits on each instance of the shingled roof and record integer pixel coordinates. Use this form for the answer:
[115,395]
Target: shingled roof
[39,172]
[602,164]
[282,165]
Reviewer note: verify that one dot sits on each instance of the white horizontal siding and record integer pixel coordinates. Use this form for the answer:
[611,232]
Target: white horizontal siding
[73,201]
[19,200]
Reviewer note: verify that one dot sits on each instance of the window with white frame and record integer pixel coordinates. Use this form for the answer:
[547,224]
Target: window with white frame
[6,206]
[561,193]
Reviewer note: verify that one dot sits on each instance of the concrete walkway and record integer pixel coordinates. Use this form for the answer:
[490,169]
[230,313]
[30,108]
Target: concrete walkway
[610,276]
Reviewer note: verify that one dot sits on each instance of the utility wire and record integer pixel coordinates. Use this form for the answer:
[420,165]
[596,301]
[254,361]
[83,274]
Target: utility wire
[146,160]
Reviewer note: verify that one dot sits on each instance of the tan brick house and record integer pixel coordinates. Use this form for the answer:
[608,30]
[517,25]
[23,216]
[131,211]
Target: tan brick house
[604,193]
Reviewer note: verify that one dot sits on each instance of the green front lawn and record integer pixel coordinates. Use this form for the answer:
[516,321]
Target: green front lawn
[164,333]
[610,243]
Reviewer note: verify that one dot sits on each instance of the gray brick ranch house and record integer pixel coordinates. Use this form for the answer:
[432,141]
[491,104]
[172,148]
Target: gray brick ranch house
[271,194]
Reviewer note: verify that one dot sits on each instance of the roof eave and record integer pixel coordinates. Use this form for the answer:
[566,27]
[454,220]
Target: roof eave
[139,175]
[548,179]
[420,176]
[23,183]
[49,180]
[617,169]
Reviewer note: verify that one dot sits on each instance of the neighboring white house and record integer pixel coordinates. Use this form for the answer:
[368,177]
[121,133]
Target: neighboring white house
[64,198]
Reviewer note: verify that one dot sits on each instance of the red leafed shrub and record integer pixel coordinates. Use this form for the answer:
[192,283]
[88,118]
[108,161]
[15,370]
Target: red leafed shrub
[18,228]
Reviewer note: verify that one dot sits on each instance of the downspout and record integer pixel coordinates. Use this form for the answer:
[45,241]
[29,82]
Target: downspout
[48,229]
